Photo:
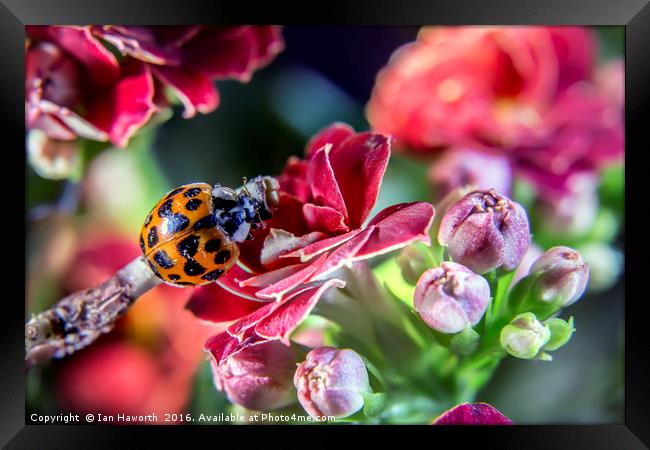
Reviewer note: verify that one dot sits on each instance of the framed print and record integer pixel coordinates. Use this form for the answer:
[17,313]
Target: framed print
[400,218]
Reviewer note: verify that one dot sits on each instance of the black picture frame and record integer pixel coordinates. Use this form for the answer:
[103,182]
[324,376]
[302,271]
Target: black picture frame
[634,15]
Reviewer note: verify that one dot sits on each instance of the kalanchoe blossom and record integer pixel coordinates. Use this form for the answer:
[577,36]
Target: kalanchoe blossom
[317,229]
[259,377]
[485,230]
[525,336]
[188,59]
[533,92]
[324,201]
[466,167]
[562,276]
[472,414]
[450,298]
[75,86]
[332,382]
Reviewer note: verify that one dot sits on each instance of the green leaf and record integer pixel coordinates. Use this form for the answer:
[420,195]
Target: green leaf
[374,403]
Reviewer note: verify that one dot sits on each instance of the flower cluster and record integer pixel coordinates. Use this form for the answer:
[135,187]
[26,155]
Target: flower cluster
[104,83]
[533,94]
[318,228]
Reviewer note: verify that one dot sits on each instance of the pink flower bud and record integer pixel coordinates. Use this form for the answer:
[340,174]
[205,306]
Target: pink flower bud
[461,167]
[485,230]
[563,276]
[451,297]
[258,377]
[331,382]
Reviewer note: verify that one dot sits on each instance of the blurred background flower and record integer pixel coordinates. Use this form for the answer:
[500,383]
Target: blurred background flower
[550,103]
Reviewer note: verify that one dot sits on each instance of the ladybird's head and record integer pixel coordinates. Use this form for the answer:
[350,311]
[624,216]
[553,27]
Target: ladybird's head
[237,211]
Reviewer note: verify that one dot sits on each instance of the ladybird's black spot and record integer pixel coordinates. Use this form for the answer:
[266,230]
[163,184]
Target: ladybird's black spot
[213,245]
[153,268]
[189,246]
[205,222]
[163,259]
[174,192]
[211,276]
[142,247]
[193,204]
[173,276]
[184,283]
[223,203]
[193,268]
[222,257]
[193,192]
[152,238]
[147,221]
[165,210]
[176,223]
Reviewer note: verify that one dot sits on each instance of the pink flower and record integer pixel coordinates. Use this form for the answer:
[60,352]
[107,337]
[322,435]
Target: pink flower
[472,414]
[332,382]
[188,59]
[258,377]
[318,228]
[532,92]
[459,168]
[451,297]
[75,86]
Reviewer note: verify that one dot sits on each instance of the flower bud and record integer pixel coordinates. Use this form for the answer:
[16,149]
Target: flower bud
[472,414]
[258,377]
[525,336]
[451,297]
[413,261]
[562,276]
[461,167]
[332,382]
[561,332]
[485,230]
[605,265]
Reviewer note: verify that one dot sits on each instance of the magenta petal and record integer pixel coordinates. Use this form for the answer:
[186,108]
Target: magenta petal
[222,346]
[234,281]
[79,42]
[268,278]
[223,53]
[398,226]
[194,89]
[214,304]
[472,414]
[324,219]
[359,163]
[323,184]
[241,327]
[280,242]
[277,290]
[334,134]
[308,252]
[345,254]
[281,322]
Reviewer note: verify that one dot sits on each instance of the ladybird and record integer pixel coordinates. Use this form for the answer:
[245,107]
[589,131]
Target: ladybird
[190,237]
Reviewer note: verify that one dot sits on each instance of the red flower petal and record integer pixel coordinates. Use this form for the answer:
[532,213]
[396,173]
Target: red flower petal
[324,219]
[323,184]
[214,304]
[334,134]
[127,106]
[345,254]
[277,290]
[234,281]
[268,44]
[194,89]
[100,63]
[309,251]
[222,346]
[472,414]
[279,242]
[359,163]
[398,226]
[282,321]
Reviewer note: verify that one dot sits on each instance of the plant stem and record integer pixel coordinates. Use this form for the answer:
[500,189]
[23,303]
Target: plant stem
[77,320]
